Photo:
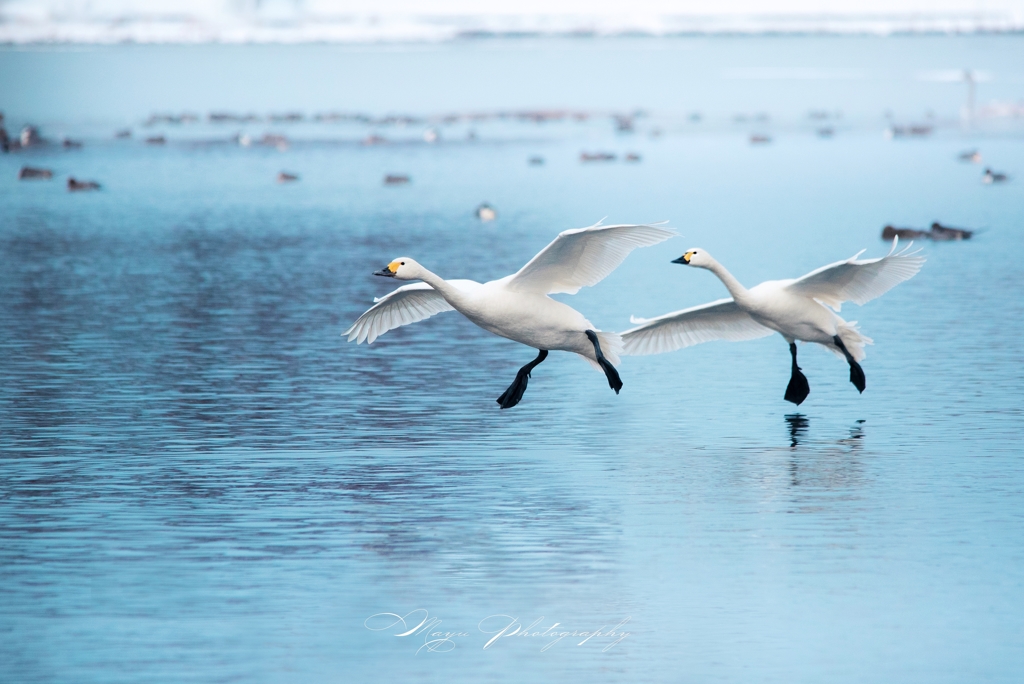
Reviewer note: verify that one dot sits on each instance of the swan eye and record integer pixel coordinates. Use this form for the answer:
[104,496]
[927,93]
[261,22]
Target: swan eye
[403,263]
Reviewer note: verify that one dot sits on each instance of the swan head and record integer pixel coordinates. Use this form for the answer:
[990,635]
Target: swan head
[402,268]
[694,257]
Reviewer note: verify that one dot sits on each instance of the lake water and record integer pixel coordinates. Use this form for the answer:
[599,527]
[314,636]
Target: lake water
[202,480]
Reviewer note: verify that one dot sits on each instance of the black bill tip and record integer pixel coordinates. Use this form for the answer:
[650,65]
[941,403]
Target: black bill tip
[384,272]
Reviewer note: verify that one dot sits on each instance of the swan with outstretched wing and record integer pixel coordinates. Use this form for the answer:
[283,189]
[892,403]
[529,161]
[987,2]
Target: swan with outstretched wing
[518,307]
[796,309]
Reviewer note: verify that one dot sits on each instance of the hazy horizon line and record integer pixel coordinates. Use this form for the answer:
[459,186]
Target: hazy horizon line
[367,28]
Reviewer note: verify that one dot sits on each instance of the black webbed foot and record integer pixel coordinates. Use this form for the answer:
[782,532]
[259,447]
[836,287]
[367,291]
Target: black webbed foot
[514,394]
[614,381]
[798,387]
[857,376]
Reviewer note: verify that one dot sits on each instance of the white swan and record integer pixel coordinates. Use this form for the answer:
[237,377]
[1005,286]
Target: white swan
[518,306]
[793,308]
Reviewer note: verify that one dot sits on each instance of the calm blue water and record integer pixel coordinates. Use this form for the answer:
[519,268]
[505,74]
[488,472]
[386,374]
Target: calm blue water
[201,480]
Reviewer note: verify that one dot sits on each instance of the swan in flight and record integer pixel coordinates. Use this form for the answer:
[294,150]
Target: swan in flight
[796,309]
[518,306]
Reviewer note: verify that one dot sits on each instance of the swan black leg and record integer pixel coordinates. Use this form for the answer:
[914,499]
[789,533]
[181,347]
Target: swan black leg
[515,391]
[798,388]
[614,381]
[856,372]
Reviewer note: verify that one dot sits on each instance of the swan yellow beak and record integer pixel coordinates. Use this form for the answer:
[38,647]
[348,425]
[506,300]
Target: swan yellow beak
[685,259]
[389,271]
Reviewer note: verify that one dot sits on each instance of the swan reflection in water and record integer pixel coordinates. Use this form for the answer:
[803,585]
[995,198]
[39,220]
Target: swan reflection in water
[827,465]
[798,425]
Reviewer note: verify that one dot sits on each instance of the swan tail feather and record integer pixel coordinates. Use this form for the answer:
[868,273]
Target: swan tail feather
[854,340]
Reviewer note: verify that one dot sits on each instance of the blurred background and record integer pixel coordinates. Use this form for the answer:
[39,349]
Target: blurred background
[235,21]
[202,479]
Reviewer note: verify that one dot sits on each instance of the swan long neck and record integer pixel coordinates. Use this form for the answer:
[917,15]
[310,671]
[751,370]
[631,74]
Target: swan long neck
[734,286]
[451,294]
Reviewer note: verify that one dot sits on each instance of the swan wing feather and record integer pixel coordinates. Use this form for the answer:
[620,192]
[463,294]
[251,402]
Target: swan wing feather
[583,256]
[719,320]
[408,304]
[859,281]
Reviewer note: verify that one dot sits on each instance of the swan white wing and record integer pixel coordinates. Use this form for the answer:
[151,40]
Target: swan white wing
[859,281]
[583,256]
[408,304]
[720,320]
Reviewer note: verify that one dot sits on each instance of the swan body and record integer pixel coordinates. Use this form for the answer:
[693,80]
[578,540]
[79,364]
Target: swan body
[775,306]
[518,307]
[804,309]
[535,320]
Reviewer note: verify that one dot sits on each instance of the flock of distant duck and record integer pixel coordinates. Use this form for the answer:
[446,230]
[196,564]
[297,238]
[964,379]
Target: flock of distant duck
[989,176]
[519,306]
[937,232]
[29,137]
[31,172]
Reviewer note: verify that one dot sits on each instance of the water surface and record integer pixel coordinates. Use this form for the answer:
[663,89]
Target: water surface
[202,479]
